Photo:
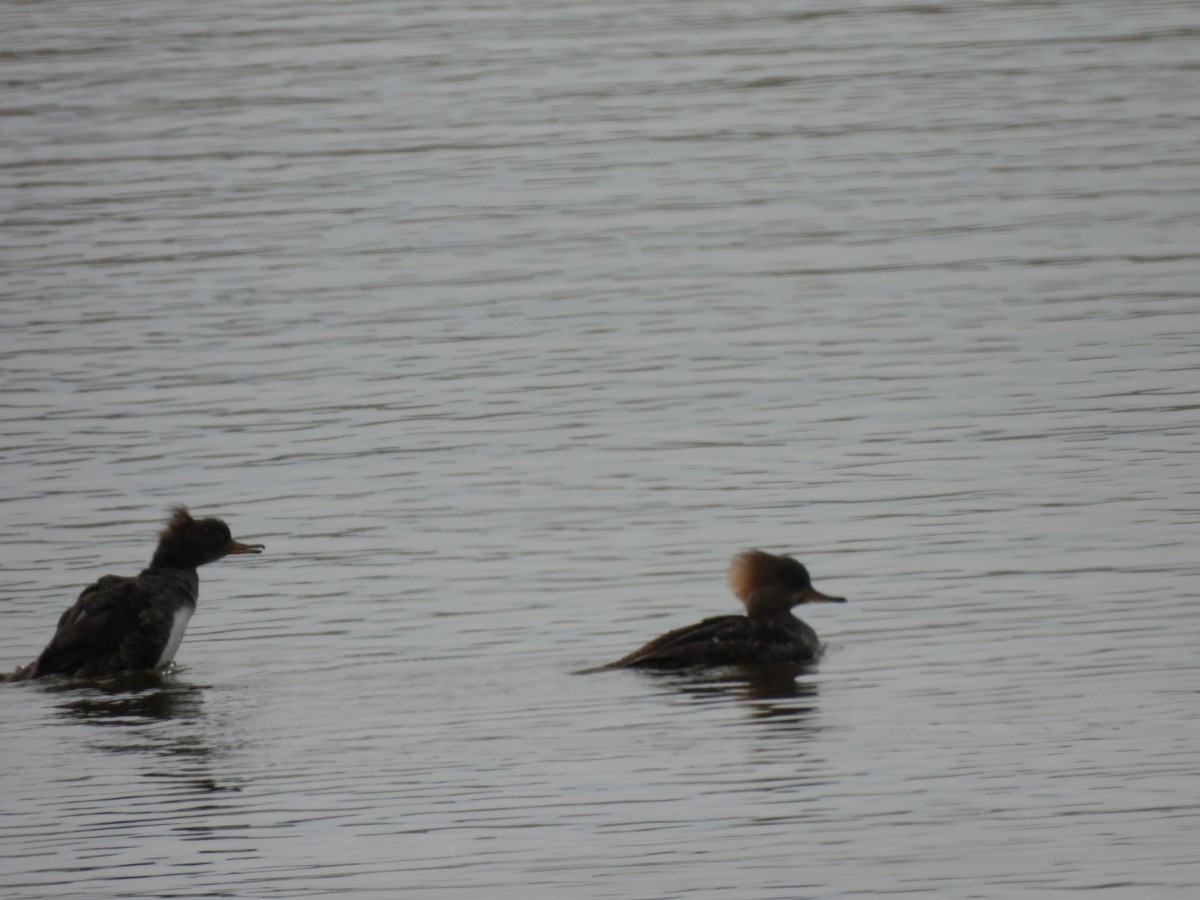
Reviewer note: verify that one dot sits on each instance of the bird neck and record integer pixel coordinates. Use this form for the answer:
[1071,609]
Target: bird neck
[174,585]
[174,557]
[769,606]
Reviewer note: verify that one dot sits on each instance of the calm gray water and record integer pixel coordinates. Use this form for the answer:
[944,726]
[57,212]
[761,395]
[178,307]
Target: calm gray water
[503,325]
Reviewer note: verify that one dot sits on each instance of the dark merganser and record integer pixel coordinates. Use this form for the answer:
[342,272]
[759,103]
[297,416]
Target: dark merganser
[768,586]
[124,624]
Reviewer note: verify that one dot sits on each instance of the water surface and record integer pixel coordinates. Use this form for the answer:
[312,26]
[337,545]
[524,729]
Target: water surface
[503,326]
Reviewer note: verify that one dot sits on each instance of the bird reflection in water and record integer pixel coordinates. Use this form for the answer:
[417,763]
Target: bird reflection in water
[769,691]
[130,699]
[148,713]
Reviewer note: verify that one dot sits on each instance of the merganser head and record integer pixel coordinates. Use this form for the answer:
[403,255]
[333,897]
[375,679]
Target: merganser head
[766,583]
[186,543]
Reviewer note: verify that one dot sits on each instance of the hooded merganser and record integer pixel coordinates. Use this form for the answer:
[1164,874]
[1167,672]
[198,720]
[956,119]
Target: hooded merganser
[124,624]
[768,586]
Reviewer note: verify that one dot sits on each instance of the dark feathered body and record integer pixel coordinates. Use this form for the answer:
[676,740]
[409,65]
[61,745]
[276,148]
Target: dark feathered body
[727,641]
[768,586]
[118,625]
[124,624]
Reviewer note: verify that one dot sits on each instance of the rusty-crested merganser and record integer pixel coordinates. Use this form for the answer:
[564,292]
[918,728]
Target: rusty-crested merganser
[768,586]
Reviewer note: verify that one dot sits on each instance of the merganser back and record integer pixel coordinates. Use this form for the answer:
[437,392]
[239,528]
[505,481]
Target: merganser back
[122,624]
[768,586]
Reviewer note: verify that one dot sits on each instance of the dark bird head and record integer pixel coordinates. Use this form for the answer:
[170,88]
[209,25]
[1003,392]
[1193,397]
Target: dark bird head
[186,543]
[766,583]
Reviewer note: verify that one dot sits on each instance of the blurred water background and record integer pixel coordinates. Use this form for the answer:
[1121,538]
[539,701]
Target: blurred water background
[504,325]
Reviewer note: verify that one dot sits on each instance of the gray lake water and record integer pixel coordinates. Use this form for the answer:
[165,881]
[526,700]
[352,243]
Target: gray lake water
[503,325]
